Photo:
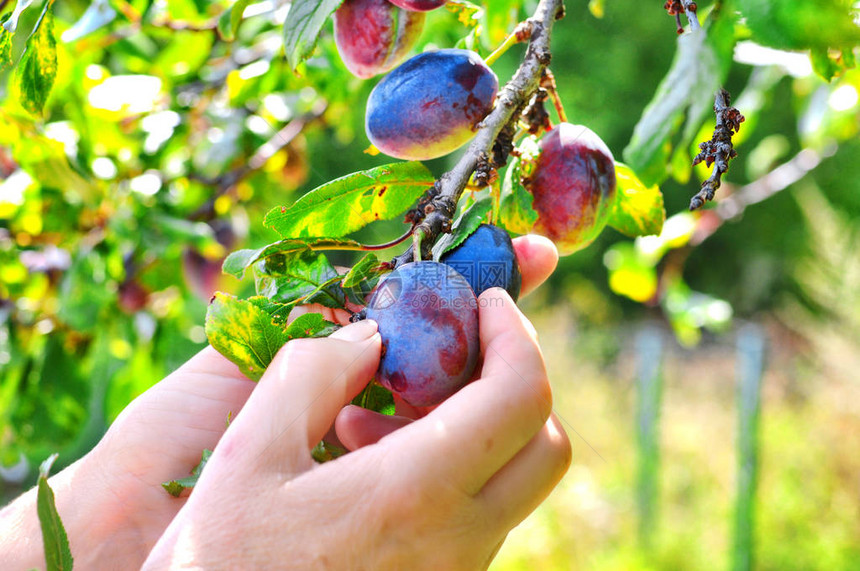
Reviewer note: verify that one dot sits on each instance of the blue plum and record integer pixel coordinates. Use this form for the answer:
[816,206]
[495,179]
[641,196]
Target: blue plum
[487,259]
[428,321]
[373,36]
[430,105]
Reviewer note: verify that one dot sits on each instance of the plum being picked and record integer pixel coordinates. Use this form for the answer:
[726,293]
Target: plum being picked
[428,320]
[487,259]
[373,36]
[430,105]
[419,5]
[573,185]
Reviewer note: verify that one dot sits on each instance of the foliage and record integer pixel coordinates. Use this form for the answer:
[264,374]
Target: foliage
[141,143]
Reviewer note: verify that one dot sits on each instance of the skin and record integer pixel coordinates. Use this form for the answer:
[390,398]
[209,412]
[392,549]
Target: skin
[430,105]
[573,187]
[374,36]
[404,492]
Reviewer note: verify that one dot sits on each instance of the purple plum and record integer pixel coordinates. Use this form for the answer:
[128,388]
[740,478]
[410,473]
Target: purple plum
[428,321]
[430,105]
[373,36]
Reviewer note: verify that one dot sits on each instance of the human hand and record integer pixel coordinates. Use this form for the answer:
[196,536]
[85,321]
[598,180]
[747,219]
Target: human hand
[159,437]
[441,492]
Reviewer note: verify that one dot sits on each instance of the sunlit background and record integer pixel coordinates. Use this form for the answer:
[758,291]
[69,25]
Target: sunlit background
[708,378]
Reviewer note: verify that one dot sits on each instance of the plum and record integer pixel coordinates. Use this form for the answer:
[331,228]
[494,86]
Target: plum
[419,5]
[430,105]
[428,321]
[373,36]
[573,185]
[487,259]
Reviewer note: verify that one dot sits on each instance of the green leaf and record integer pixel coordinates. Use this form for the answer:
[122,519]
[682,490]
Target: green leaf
[366,267]
[228,23]
[801,24]
[377,398]
[516,214]
[5,45]
[58,556]
[684,99]
[240,260]
[244,333]
[38,67]
[175,487]
[500,17]
[305,21]
[638,209]
[464,226]
[98,15]
[311,325]
[350,203]
[301,278]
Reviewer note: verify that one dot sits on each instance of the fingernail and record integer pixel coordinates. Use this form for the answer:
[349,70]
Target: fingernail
[356,332]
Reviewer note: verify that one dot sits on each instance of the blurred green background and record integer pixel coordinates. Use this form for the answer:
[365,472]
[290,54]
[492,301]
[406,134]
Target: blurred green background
[162,146]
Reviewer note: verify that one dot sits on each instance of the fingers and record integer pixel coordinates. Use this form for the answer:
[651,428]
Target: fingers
[481,427]
[299,396]
[524,482]
[358,427]
[537,257]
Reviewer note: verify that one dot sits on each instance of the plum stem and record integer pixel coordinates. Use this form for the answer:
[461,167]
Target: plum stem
[548,83]
[395,242]
[520,34]
[512,98]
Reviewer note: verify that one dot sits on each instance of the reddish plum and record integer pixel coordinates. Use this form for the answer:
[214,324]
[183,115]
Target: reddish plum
[573,186]
[430,105]
[428,320]
[419,5]
[373,36]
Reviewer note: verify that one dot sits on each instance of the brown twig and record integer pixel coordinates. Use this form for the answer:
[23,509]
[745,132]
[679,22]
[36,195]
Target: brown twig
[688,8]
[719,150]
[512,98]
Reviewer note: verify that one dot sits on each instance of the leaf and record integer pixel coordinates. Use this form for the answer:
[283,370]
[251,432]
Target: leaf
[365,268]
[350,203]
[684,99]
[228,23]
[464,226]
[516,214]
[638,209]
[244,333]
[38,67]
[240,260]
[5,44]
[311,325]
[500,17]
[301,278]
[175,487]
[377,398]
[97,15]
[801,24]
[305,21]
[58,556]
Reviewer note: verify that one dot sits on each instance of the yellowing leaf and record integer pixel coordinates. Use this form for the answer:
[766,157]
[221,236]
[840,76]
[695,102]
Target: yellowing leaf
[38,67]
[638,209]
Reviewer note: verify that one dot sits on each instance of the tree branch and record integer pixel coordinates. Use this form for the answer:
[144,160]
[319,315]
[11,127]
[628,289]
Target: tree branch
[438,211]
[719,150]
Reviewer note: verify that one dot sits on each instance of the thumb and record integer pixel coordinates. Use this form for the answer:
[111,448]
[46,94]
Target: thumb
[299,396]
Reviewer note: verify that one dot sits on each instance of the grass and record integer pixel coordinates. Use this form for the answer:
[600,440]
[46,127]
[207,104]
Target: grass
[807,509]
